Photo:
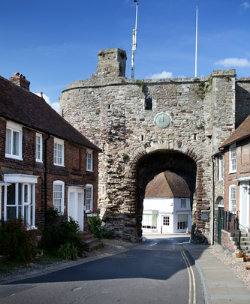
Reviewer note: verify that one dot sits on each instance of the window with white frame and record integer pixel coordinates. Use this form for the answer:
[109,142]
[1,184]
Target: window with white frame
[13,143]
[182,221]
[58,152]
[58,196]
[165,220]
[89,160]
[232,199]
[20,198]
[183,203]
[39,147]
[149,221]
[89,198]
[220,167]
[232,158]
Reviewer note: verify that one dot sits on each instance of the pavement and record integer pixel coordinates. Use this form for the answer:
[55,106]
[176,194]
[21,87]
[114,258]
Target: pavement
[221,286]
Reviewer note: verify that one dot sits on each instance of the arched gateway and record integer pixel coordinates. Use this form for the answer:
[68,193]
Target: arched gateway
[146,127]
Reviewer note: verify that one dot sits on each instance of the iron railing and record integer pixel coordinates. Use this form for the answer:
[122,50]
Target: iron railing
[231,224]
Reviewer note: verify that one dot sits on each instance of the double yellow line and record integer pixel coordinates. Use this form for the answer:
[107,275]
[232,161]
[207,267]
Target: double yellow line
[192,285]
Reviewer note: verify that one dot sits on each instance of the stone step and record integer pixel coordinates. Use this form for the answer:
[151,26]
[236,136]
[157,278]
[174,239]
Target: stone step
[245,239]
[244,234]
[92,242]
[95,245]
[245,243]
[245,248]
[239,259]
[86,235]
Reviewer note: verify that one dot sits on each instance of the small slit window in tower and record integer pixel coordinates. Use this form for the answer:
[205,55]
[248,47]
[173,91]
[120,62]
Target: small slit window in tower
[148,103]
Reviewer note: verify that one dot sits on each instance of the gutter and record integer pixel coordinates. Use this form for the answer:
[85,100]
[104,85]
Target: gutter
[213,202]
[45,179]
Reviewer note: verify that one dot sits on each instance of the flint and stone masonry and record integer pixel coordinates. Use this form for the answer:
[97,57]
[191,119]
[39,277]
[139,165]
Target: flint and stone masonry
[145,127]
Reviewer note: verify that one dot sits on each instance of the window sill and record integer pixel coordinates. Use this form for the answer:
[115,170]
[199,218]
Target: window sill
[39,161]
[231,172]
[13,157]
[58,165]
[89,170]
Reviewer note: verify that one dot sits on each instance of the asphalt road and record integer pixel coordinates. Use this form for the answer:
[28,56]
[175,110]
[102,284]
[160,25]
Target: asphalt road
[156,271]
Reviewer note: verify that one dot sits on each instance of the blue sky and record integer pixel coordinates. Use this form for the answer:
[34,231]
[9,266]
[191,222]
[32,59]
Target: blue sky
[55,42]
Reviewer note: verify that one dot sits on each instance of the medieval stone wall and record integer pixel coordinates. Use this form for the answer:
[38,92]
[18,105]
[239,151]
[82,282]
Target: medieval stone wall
[242,100]
[110,110]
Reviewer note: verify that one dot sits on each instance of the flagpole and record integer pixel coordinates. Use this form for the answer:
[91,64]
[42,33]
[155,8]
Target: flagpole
[134,44]
[196,42]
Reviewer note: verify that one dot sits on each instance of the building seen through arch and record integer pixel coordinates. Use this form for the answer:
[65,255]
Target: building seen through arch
[166,206]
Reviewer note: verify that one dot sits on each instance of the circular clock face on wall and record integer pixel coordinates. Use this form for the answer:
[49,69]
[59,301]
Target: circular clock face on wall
[162,120]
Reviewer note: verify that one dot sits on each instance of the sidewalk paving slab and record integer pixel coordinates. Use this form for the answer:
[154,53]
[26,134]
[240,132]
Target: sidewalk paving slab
[221,286]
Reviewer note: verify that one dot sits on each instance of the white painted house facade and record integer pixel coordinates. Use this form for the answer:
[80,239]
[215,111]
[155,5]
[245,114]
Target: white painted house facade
[166,206]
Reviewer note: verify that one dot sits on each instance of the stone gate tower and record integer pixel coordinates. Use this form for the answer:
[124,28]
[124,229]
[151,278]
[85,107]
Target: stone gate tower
[145,127]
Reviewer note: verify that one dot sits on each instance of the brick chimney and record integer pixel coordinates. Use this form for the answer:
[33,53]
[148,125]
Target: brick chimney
[20,80]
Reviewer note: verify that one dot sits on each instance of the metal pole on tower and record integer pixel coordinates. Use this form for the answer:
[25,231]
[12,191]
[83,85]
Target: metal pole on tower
[134,44]
[196,42]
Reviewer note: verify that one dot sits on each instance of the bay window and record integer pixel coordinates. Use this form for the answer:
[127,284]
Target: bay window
[19,199]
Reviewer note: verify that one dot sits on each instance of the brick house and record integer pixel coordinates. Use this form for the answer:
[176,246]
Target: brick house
[236,155]
[44,161]
[232,190]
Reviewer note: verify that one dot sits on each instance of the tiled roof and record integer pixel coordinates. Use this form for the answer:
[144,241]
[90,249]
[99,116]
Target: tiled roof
[241,132]
[26,108]
[167,184]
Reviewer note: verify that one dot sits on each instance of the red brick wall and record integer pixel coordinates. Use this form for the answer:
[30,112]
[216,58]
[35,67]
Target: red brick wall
[73,173]
[242,170]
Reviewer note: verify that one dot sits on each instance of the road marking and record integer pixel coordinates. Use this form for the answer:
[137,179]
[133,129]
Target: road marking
[153,244]
[189,280]
[192,284]
[76,289]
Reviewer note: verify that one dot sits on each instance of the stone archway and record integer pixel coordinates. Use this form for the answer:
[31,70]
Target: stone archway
[112,112]
[151,164]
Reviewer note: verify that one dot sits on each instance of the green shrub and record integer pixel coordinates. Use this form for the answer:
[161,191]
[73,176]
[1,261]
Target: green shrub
[108,234]
[59,231]
[95,226]
[68,251]
[16,242]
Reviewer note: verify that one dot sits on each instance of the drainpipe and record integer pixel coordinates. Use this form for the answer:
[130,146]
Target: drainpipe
[45,178]
[213,202]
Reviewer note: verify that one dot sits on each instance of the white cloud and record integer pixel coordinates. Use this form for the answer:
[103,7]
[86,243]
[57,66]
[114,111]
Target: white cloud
[161,75]
[234,62]
[245,5]
[54,105]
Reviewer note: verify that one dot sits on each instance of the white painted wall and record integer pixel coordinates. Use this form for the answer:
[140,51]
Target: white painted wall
[167,207]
